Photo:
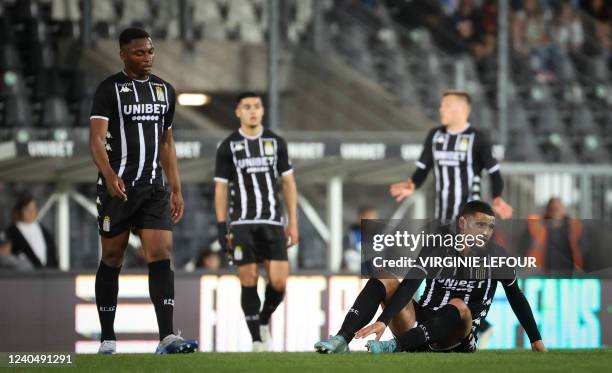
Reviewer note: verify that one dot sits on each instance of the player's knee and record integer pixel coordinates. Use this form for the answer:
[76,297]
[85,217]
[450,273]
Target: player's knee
[278,284]
[112,259]
[390,285]
[464,310]
[248,278]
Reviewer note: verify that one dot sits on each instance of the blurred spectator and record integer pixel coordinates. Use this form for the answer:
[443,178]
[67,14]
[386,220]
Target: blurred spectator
[597,24]
[567,30]
[208,259]
[30,239]
[352,241]
[555,239]
[466,24]
[8,261]
[531,27]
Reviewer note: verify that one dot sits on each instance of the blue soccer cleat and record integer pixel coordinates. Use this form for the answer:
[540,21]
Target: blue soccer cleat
[382,347]
[175,344]
[334,345]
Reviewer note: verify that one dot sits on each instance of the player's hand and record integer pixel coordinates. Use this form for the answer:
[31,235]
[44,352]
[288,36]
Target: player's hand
[177,206]
[115,186]
[538,346]
[292,235]
[502,209]
[402,190]
[377,328]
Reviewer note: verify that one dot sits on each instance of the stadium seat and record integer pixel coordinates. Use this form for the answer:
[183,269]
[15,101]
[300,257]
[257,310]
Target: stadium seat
[17,112]
[582,122]
[54,113]
[9,57]
[65,10]
[251,32]
[12,84]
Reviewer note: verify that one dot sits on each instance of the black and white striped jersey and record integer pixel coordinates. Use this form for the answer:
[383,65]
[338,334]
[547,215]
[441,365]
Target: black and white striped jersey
[138,112]
[252,166]
[475,286]
[457,160]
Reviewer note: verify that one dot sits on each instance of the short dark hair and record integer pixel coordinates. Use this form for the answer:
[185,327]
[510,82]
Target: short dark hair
[130,34]
[475,206]
[23,199]
[244,95]
[459,93]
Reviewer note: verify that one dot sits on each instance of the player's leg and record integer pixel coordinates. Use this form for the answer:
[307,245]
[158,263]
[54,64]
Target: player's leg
[359,315]
[157,246]
[152,219]
[107,288]
[249,298]
[448,326]
[272,241]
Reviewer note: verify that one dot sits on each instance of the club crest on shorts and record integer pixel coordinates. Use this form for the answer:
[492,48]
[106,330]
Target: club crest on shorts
[106,224]
[268,147]
[159,92]
[238,253]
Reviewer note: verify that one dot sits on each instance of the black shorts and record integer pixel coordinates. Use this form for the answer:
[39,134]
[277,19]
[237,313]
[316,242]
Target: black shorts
[254,243]
[147,207]
[422,314]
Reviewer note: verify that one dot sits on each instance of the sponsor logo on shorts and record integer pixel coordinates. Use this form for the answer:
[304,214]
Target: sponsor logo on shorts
[106,224]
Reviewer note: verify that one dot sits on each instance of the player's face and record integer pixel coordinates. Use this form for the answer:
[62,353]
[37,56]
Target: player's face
[250,111]
[29,213]
[138,56]
[452,110]
[477,224]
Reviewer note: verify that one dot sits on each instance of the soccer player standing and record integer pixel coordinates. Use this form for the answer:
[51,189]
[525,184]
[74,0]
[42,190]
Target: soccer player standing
[130,135]
[457,152]
[249,164]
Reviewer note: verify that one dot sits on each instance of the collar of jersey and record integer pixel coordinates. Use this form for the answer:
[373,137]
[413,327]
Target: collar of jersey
[251,137]
[140,81]
[462,131]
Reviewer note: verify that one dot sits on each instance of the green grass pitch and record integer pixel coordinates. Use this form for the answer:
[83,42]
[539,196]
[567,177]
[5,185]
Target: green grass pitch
[522,361]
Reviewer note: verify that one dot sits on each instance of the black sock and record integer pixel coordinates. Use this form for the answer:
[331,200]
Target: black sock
[433,330]
[273,299]
[363,309]
[107,287]
[249,299]
[161,290]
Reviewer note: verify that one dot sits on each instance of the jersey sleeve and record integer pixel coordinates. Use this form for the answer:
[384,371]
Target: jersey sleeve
[223,163]
[283,165]
[169,116]
[425,161]
[484,152]
[104,101]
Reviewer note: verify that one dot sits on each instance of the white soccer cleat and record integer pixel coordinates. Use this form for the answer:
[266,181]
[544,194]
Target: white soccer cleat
[259,346]
[107,348]
[266,337]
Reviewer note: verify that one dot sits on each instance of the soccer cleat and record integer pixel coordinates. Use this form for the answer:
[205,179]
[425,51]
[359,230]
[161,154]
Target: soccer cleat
[107,348]
[175,344]
[264,332]
[259,346]
[382,347]
[334,345]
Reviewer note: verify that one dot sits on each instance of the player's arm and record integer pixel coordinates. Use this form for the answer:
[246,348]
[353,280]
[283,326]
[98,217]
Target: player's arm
[223,162]
[167,155]
[98,127]
[484,152]
[290,195]
[285,169]
[404,189]
[522,310]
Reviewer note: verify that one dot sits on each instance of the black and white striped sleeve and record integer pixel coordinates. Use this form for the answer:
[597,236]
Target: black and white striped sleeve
[283,166]
[425,161]
[223,163]
[484,152]
[103,102]
[171,100]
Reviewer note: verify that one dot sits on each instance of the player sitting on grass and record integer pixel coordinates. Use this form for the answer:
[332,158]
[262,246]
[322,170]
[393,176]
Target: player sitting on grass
[445,317]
